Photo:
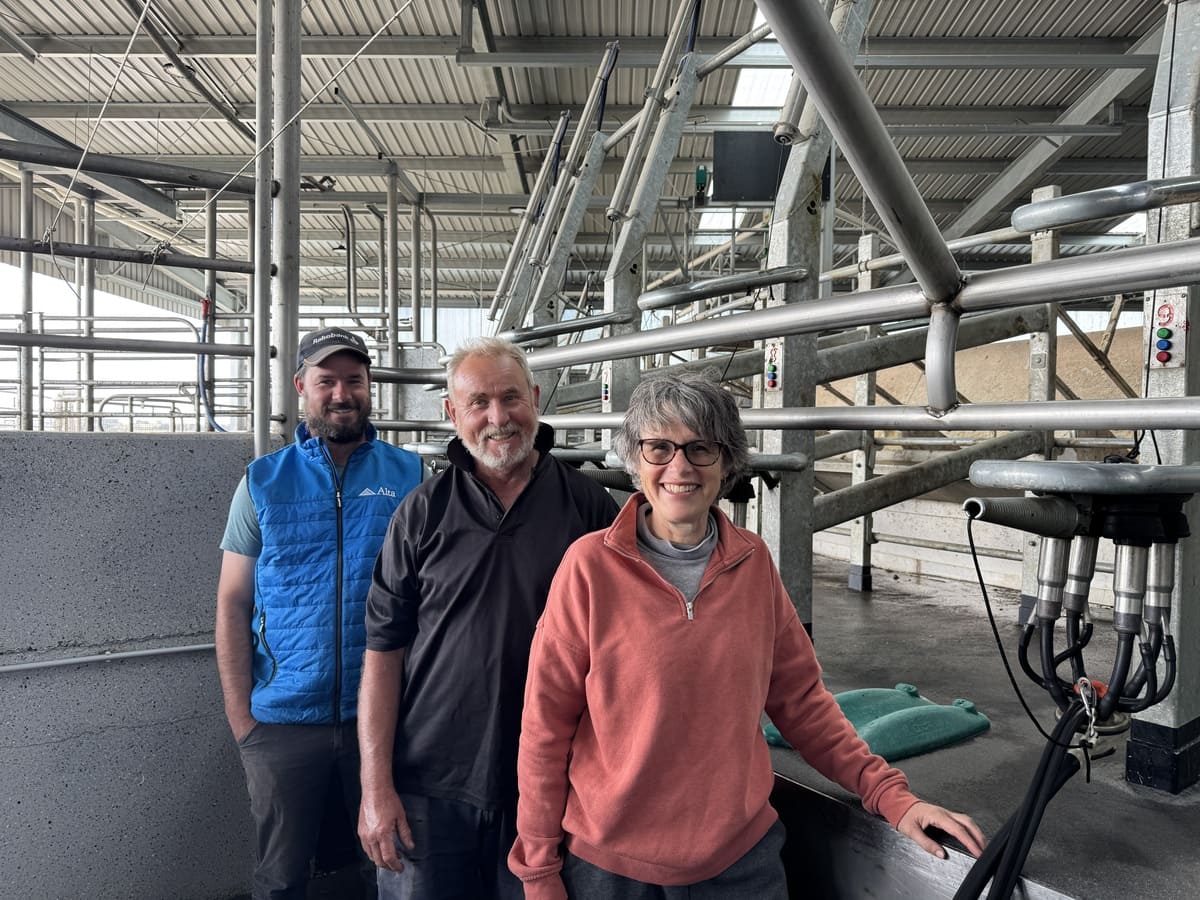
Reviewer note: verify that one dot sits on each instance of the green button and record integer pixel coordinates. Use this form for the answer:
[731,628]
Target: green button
[1163,332]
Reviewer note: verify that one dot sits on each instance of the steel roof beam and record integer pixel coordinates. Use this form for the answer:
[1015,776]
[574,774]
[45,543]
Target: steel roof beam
[128,190]
[636,51]
[656,241]
[372,166]
[703,119]
[463,204]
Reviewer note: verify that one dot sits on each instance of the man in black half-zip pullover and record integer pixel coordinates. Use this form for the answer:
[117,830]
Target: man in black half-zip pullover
[457,590]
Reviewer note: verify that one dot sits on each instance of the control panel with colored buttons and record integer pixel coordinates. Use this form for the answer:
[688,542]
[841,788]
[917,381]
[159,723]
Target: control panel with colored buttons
[1167,334]
[773,366]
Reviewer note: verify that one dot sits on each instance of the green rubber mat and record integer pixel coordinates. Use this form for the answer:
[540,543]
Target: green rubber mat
[898,722]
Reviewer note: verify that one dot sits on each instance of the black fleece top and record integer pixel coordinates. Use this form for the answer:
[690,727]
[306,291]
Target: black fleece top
[461,584]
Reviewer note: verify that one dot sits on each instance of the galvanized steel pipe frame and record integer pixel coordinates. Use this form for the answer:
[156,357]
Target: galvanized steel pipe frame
[886,490]
[285,219]
[895,260]
[706,67]
[664,144]
[583,184]
[859,357]
[572,162]
[67,157]
[940,347]
[654,103]
[744,234]
[1062,415]
[87,305]
[819,58]
[565,326]
[393,282]
[121,254]
[624,278]
[414,259]
[1118,271]
[1106,203]
[264,189]
[517,254]
[76,342]
[25,356]
[351,259]
[733,49]
[433,273]
[679,294]
[388,375]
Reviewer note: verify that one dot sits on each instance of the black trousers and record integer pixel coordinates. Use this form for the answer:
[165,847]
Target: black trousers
[301,778]
[460,852]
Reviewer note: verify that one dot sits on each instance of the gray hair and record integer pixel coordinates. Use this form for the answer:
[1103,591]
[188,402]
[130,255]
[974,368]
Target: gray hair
[693,401]
[492,348]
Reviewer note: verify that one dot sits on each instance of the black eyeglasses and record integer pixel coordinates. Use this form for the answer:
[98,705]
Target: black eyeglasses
[660,451]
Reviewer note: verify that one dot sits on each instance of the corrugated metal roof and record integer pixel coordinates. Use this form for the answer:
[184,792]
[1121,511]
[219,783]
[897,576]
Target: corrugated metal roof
[430,109]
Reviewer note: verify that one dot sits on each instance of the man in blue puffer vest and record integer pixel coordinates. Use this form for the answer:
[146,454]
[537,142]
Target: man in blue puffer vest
[305,526]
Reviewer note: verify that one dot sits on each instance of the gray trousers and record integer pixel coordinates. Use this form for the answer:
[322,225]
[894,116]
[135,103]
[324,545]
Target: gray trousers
[295,775]
[758,875]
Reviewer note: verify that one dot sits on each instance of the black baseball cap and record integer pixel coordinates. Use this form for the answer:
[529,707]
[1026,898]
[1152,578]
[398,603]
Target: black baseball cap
[318,345]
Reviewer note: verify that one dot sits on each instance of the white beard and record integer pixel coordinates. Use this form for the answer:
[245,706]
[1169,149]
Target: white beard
[506,459]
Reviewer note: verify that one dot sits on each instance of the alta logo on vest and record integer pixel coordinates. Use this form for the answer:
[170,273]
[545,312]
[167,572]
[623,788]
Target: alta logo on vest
[382,492]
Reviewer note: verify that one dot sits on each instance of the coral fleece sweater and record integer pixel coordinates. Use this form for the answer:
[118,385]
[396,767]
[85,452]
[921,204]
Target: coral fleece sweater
[641,744]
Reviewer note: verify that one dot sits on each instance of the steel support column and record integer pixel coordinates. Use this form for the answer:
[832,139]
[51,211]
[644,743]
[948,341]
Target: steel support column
[208,366]
[1164,746]
[393,286]
[583,185]
[286,235]
[25,355]
[1043,362]
[263,175]
[623,281]
[862,461]
[415,267]
[795,240]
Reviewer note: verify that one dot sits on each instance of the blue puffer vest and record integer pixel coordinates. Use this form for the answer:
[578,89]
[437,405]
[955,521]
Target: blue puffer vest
[312,578]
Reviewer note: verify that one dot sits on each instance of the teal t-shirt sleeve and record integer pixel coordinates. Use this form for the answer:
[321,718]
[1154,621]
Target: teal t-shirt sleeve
[242,532]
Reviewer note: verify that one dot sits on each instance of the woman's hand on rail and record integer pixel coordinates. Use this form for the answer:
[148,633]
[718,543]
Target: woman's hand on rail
[961,827]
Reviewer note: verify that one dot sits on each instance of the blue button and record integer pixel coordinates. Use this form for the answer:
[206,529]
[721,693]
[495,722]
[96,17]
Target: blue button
[1163,345]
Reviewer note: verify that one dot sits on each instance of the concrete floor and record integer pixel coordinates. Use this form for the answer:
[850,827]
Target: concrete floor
[1102,839]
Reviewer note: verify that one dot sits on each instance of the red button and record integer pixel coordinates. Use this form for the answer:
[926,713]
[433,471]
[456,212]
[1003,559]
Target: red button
[1162,356]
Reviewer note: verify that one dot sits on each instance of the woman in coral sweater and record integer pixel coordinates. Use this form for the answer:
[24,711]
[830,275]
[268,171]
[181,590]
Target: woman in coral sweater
[642,765]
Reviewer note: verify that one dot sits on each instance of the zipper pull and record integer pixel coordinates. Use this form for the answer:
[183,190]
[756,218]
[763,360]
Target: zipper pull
[338,494]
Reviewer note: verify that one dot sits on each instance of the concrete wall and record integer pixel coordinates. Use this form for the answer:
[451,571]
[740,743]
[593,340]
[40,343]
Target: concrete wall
[120,777]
